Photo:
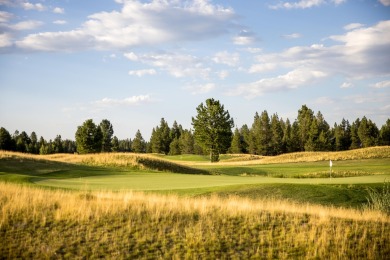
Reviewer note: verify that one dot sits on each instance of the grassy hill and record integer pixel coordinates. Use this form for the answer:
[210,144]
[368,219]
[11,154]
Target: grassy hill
[242,207]
[40,223]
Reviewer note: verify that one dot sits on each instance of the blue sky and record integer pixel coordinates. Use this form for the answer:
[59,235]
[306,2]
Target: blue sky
[134,62]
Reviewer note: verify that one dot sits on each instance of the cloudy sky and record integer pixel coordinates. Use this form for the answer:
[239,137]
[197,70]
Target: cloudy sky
[134,62]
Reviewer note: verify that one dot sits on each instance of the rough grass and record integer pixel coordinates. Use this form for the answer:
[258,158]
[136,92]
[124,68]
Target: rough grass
[38,224]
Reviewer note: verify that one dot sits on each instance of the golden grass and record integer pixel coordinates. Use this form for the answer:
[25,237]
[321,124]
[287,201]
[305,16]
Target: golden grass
[357,154]
[38,223]
[133,159]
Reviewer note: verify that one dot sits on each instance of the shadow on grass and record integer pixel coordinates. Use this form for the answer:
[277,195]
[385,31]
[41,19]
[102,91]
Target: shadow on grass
[26,170]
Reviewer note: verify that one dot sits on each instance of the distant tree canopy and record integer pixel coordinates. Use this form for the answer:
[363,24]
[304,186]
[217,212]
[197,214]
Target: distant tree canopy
[212,134]
[213,128]
[89,138]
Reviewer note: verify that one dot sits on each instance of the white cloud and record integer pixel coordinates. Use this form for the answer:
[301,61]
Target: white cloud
[224,57]
[58,10]
[139,24]
[245,37]
[382,84]
[141,73]
[60,22]
[304,4]
[353,26]
[223,74]
[356,54]
[263,67]
[291,80]
[346,85]
[5,40]
[5,16]
[130,101]
[31,6]
[292,36]
[385,2]
[176,64]
[253,50]
[26,25]
[201,89]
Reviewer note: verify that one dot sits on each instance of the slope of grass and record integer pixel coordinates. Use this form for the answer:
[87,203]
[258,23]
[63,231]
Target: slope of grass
[38,224]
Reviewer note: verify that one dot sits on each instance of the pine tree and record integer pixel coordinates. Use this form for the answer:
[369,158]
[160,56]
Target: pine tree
[115,144]
[89,137]
[245,135]
[6,142]
[305,118]
[213,128]
[186,142]
[138,145]
[236,144]
[276,136]
[107,132]
[355,140]
[384,134]
[368,132]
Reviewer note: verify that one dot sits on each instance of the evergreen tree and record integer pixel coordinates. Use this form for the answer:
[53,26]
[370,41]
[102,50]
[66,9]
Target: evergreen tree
[276,136]
[236,144]
[57,145]
[245,135]
[107,132]
[305,118]
[313,134]
[265,135]
[124,145]
[355,140]
[174,147]
[6,142]
[138,145]
[254,141]
[115,144]
[368,132]
[342,136]
[213,128]
[186,142]
[89,137]
[34,146]
[384,134]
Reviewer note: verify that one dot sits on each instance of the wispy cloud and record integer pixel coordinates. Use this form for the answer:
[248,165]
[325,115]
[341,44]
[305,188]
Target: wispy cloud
[353,26]
[304,4]
[141,73]
[200,89]
[291,80]
[355,55]
[137,24]
[224,57]
[130,101]
[178,65]
[382,84]
[58,10]
[292,36]
[385,2]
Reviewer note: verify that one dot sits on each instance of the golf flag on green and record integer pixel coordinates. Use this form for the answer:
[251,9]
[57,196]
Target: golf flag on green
[330,163]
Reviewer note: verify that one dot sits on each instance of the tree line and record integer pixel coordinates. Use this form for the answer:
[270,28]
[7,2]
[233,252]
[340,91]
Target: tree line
[213,134]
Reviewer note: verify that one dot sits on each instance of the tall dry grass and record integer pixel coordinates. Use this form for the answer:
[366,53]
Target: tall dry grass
[37,223]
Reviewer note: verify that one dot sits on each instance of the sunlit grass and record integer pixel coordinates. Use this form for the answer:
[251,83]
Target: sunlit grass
[36,223]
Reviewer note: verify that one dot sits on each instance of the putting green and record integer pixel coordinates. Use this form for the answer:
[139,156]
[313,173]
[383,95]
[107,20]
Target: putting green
[169,181]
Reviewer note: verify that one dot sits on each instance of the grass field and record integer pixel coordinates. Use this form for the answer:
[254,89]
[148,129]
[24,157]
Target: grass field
[182,207]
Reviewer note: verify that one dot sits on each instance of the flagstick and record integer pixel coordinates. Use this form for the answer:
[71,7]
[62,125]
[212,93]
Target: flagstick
[330,169]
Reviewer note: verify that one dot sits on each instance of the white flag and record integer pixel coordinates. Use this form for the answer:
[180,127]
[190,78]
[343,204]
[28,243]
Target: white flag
[330,163]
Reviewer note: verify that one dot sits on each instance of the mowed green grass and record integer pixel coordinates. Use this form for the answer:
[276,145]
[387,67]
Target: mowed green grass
[253,181]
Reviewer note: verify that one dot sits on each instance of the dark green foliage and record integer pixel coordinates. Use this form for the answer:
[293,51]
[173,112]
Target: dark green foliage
[89,138]
[236,145]
[368,132]
[107,132]
[138,145]
[6,142]
[213,128]
[186,142]
[384,134]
